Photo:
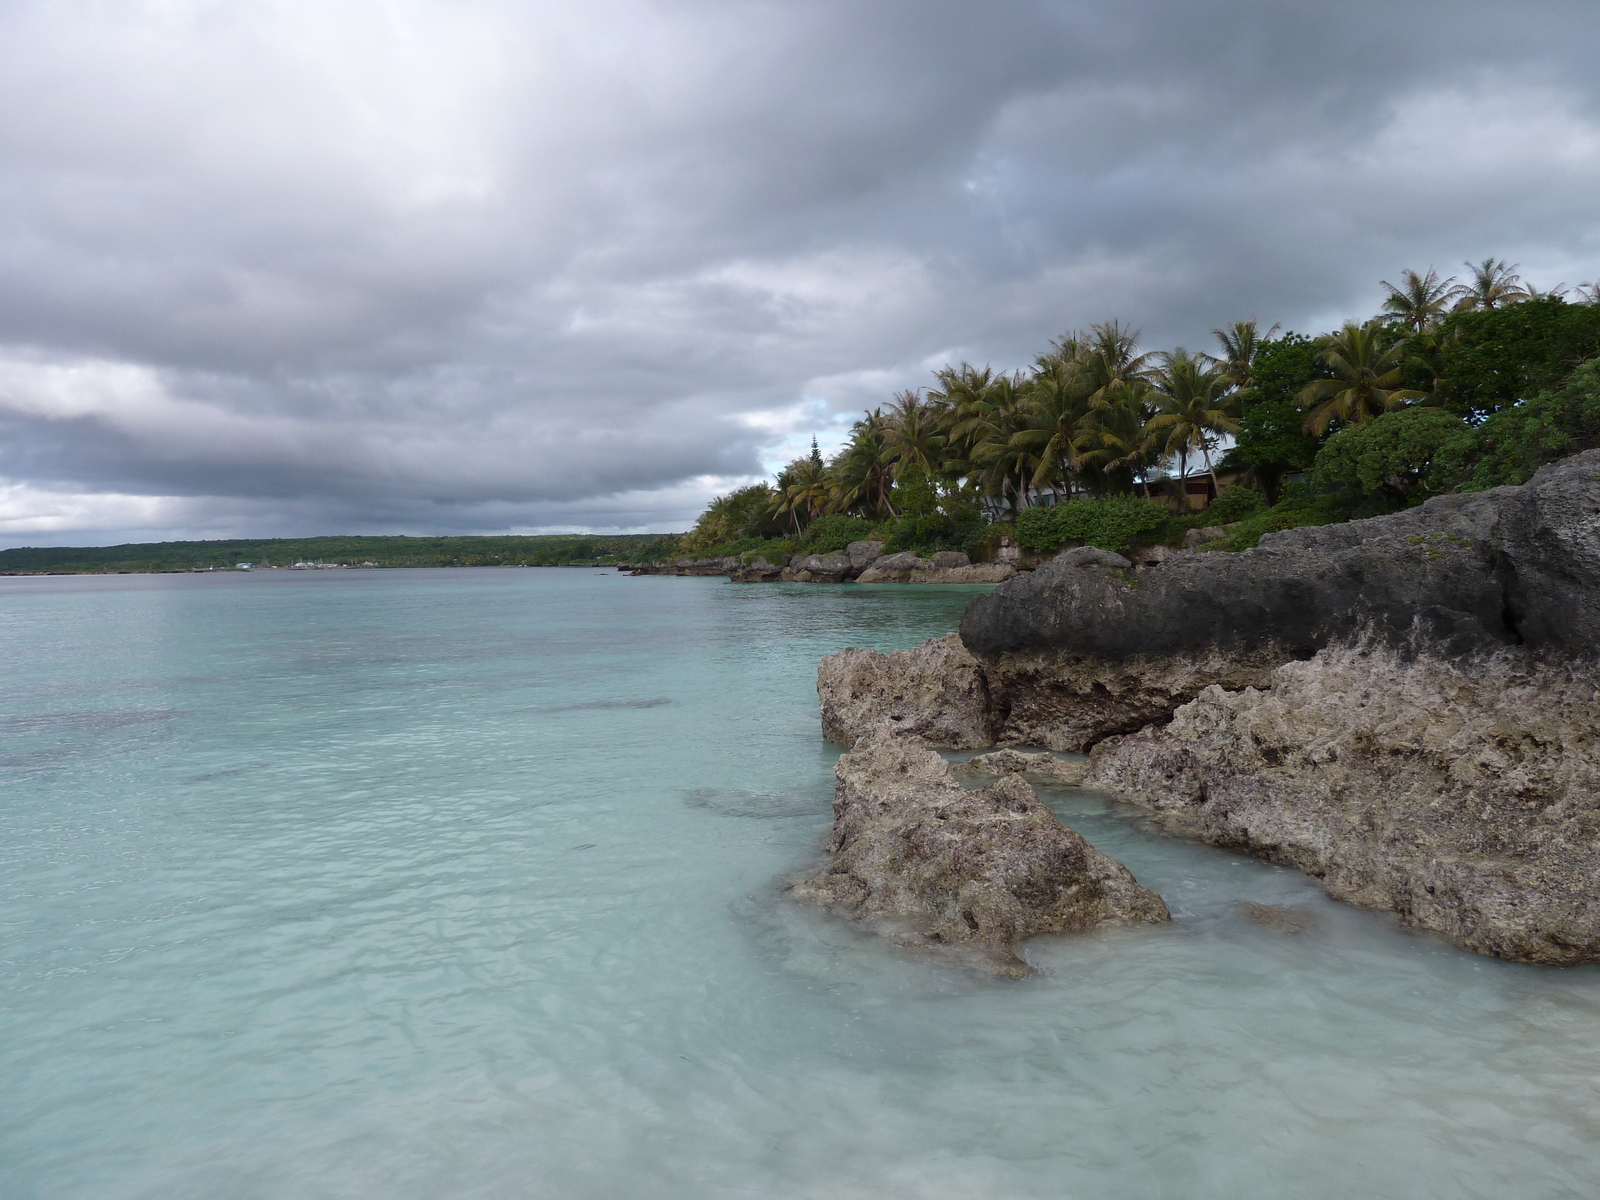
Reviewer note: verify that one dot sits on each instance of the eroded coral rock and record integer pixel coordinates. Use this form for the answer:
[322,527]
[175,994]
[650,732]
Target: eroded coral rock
[1463,796]
[1067,772]
[936,691]
[930,863]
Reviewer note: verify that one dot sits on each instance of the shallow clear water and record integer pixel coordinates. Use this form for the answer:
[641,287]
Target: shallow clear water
[460,884]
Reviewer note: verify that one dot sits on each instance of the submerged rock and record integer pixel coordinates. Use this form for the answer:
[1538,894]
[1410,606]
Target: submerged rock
[1277,916]
[930,863]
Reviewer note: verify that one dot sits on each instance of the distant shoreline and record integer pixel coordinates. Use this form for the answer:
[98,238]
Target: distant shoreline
[352,552]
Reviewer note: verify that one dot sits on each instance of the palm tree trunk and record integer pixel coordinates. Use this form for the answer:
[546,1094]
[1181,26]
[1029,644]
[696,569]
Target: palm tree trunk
[1216,488]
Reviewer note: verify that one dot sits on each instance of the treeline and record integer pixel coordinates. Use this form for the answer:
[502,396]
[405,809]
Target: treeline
[1452,385]
[549,550]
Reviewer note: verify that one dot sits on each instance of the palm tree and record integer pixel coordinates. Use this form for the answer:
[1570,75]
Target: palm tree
[1559,292]
[803,490]
[1194,406]
[999,464]
[1494,283]
[914,434]
[1240,343]
[1367,368]
[961,395]
[1117,447]
[1421,300]
[1107,360]
[863,472]
[1055,419]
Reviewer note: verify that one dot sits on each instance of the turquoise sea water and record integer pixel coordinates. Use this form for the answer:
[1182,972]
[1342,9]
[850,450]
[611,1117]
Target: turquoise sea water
[454,884]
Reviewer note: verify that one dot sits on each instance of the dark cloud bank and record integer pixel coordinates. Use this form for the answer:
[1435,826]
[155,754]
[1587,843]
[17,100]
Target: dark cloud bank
[428,267]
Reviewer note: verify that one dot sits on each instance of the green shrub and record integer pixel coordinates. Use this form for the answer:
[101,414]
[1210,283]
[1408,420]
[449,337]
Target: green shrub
[832,533]
[1400,452]
[778,551]
[1233,504]
[930,522]
[1111,523]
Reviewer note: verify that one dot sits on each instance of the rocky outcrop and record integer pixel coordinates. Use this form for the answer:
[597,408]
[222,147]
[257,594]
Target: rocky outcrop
[929,863]
[686,565]
[1407,708]
[818,568]
[894,568]
[759,570]
[936,691]
[863,554]
[1082,648]
[947,566]
[1461,794]
[1046,767]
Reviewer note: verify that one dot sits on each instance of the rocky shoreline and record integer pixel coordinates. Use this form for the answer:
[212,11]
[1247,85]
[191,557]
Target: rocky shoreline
[1406,708]
[859,562]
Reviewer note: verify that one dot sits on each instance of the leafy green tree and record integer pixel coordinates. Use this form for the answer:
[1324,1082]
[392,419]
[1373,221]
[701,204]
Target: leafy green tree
[1271,443]
[1397,453]
[1367,366]
[1516,441]
[745,513]
[1496,358]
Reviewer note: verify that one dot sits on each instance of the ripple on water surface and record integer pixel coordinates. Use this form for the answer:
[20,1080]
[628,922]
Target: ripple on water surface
[463,884]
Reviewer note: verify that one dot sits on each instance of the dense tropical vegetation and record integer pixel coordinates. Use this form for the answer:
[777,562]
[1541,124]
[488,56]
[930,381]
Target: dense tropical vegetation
[549,550]
[1452,385]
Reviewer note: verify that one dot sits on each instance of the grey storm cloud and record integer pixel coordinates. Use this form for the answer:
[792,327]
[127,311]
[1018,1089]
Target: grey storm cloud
[276,267]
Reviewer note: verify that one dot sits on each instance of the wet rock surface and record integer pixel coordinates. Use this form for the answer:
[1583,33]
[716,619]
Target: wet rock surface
[929,863]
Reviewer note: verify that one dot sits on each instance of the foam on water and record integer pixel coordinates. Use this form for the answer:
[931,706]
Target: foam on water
[463,884]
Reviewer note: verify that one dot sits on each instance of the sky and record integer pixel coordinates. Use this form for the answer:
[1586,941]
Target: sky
[298,267]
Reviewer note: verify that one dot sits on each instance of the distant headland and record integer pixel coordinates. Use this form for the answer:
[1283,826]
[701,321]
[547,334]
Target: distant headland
[544,550]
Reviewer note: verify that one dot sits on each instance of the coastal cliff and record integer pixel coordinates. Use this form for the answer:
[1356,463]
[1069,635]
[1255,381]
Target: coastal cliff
[1407,708]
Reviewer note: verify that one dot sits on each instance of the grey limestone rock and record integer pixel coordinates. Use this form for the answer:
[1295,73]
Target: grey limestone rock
[1199,537]
[946,559]
[995,572]
[932,864]
[1067,772]
[894,568]
[863,554]
[936,691]
[757,571]
[1407,708]
[1090,556]
[1462,795]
